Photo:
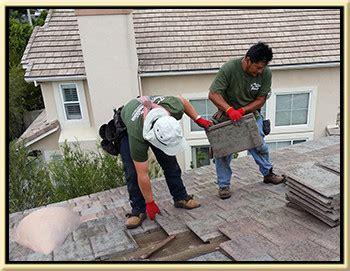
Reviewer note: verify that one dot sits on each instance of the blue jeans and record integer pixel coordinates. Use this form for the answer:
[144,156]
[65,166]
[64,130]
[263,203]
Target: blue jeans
[260,155]
[171,169]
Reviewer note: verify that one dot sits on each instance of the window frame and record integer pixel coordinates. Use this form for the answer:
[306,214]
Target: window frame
[271,110]
[84,122]
[187,121]
[64,103]
[188,151]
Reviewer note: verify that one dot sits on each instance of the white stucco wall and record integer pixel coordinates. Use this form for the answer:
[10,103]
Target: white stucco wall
[110,59]
[47,91]
[326,82]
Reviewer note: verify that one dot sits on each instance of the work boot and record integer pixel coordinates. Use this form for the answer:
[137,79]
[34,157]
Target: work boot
[224,192]
[273,178]
[187,203]
[134,220]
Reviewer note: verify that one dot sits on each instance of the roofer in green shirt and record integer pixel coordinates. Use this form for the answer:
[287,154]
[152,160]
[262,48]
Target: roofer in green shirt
[152,122]
[241,86]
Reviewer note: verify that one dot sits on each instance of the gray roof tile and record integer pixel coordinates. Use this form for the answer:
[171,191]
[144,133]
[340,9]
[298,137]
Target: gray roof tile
[192,39]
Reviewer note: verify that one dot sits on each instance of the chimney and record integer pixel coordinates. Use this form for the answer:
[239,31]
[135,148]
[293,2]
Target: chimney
[110,58]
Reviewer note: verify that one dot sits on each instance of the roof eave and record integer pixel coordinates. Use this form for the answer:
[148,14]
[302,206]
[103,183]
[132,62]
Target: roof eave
[54,78]
[215,70]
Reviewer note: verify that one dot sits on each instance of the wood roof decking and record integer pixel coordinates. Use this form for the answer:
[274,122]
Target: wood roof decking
[176,40]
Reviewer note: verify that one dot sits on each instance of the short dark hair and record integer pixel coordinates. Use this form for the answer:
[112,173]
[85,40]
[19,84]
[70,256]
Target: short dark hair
[260,52]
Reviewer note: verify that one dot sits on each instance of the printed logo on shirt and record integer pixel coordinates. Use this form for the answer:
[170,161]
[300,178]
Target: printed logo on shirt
[254,87]
[139,110]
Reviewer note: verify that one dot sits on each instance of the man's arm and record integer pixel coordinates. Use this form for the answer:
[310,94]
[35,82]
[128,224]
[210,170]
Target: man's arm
[220,102]
[254,105]
[192,113]
[189,109]
[144,180]
[146,188]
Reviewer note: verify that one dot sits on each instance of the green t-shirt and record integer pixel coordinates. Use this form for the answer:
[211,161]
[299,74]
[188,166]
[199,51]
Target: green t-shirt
[238,88]
[132,116]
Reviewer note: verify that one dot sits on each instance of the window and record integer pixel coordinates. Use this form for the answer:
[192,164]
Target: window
[263,111]
[71,102]
[285,143]
[205,108]
[200,156]
[292,109]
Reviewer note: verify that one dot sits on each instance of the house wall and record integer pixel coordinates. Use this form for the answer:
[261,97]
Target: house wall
[71,131]
[47,91]
[325,82]
[111,65]
[49,143]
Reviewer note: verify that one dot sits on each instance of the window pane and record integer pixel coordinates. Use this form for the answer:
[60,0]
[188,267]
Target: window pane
[263,111]
[73,111]
[300,101]
[299,141]
[70,93]
[283,118]
[299,117]
[282,144]
[283,102]
[211,108]
[200,106]
[272,145]
[200,156]
[195,127]
[205,108]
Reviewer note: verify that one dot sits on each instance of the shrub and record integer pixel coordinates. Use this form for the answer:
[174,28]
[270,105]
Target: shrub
[33,182]
[29,182]
[82,172]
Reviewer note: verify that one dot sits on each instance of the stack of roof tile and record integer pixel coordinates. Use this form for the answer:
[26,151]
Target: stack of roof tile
[315,187]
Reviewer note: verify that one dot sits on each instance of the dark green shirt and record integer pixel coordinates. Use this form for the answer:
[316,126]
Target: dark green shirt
[238,88]
[132,116]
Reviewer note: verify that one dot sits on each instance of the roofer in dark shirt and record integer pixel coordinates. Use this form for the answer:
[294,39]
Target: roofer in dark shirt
[241,86]
[152,121]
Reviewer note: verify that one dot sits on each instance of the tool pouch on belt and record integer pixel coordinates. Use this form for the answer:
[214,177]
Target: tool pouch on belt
[112,132]
[266,126]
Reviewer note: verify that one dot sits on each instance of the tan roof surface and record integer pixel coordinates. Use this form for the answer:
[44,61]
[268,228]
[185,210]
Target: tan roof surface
[194,39]
[255,224]
[171,40]
[55,48]
[38,127]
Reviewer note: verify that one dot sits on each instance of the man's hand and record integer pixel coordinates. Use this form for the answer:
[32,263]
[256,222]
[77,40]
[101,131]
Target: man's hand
[152,209]
[235,115]
[203,123]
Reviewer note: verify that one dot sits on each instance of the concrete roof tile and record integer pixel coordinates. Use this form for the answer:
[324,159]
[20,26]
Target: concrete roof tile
[207,36]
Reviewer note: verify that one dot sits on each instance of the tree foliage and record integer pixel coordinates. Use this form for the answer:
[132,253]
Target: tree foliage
[23,96]
[78,173]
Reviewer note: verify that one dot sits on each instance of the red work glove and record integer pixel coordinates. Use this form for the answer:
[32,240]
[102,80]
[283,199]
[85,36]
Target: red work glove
[235,115]
[152,209]
[203,123]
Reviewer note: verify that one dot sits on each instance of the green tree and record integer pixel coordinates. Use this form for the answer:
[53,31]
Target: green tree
[22,95]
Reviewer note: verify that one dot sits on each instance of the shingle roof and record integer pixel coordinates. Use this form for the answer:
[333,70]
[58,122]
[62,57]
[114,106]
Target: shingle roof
[39,127]
[257,221]
[55,48]
[191,39]
[171,40]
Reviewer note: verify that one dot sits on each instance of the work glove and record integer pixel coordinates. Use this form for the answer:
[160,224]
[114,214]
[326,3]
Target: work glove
[235,115]
[203,123]
[152,209]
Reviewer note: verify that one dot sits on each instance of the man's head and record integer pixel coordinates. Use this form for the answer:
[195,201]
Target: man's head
[163,131]
[256,59]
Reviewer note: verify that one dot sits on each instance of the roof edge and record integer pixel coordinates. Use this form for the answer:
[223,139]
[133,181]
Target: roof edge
[39,137]
[211,71]
[54,78]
